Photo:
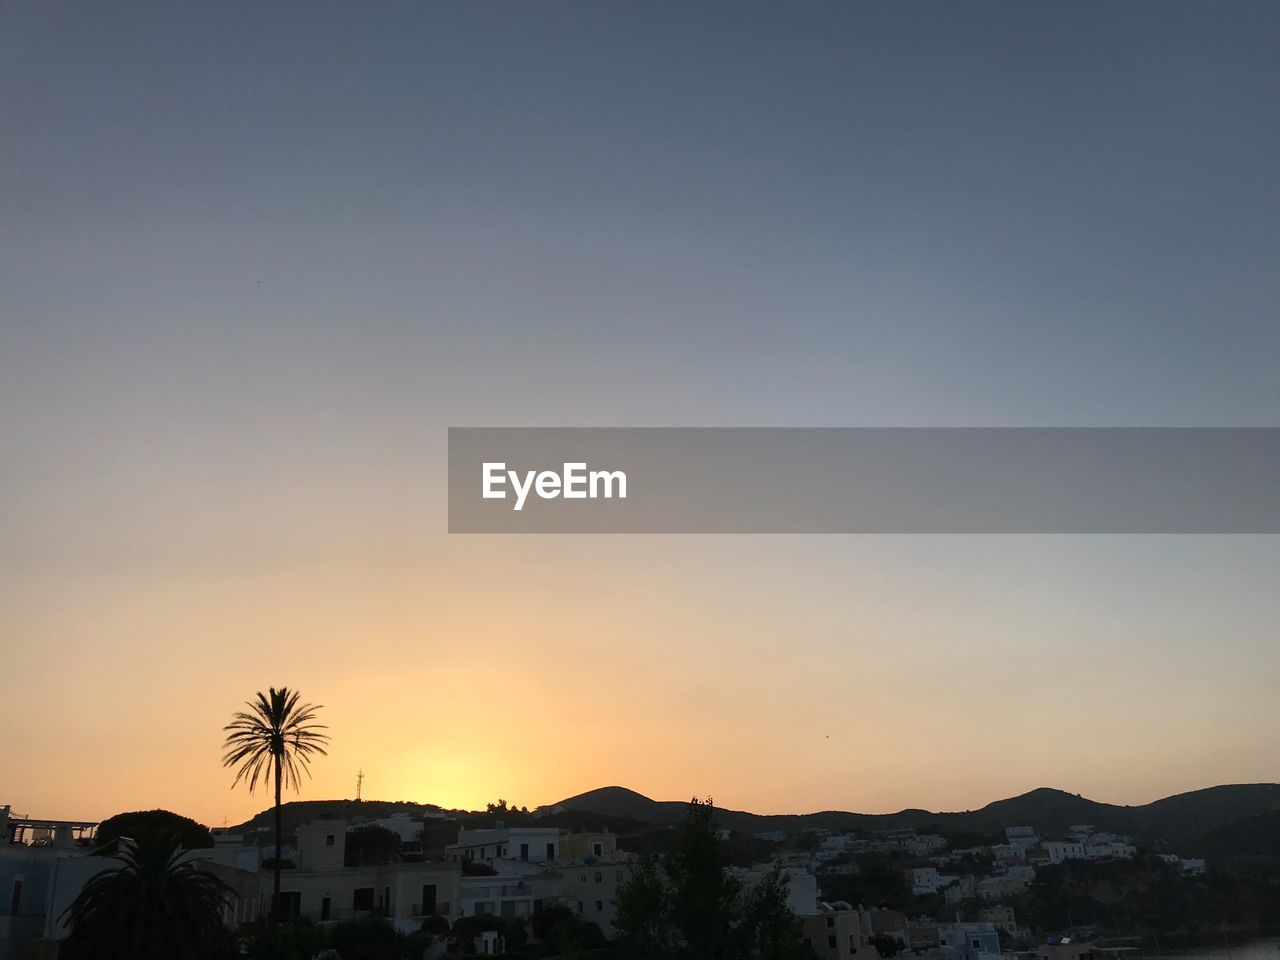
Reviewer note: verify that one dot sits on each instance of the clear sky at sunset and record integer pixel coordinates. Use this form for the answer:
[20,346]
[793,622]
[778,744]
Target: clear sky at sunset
[255,258]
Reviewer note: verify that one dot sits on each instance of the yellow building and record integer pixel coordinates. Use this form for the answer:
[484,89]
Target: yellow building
[837,934]
[579,846]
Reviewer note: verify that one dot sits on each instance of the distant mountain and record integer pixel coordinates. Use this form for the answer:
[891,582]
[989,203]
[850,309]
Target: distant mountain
[1195,814]
[1217,820]
[1179,820]
[1256,836]
[621,802]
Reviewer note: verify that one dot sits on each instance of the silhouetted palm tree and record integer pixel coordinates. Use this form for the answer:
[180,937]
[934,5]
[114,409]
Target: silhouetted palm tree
[277,735]
[154,906]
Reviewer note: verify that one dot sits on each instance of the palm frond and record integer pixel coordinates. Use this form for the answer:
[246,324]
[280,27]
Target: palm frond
[274,727]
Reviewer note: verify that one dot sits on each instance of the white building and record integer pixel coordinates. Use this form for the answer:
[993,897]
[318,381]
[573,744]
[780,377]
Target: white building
[832,848]
[1109,850]
[1020,871]
[995,889]
[1061,850]
[965,888]
[927,880]
[323,889]
[802,886]
[516,844]
[406,826]
[1022,836]
[1001,917]
[591,890]
[924,844]
[968,941]
[1009,852]
[509,895]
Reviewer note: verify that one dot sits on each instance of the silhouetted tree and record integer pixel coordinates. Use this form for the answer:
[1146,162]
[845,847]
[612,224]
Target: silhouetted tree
[158,823]
[276,736]
[294,939]
[561,931]
[154,906]
[372,846]
[684,904]
[435,926]
[767,928]
[886,946]
[369,939]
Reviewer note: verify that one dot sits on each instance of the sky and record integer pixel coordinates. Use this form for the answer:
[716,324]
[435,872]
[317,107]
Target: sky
[255,259]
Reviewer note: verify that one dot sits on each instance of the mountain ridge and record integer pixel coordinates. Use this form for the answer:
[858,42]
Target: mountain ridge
[1191,821]
[1182,818]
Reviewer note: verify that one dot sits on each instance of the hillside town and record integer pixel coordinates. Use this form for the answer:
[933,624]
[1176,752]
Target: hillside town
[479,881]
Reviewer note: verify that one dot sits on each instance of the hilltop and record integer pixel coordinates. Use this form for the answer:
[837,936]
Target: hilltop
[1211,819]
[1183,820]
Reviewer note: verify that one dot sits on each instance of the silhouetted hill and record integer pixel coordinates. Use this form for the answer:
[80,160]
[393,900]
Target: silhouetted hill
[1051,812]
[1217,820]
[1182,820]
[1195,814]
[1256,836]
[623,803]
[299,812]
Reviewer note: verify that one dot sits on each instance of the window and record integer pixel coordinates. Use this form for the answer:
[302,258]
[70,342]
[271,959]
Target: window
[551,851]
[329,840]
[524,852]
[428,899]
[325,908]
[599,876]
[597,849]
[831,943]
[362,898]
[599,906]
[579,906]
[853,943]
[831,921]
[15,897]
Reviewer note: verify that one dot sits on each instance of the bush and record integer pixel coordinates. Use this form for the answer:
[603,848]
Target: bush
[371,939]
[291,940]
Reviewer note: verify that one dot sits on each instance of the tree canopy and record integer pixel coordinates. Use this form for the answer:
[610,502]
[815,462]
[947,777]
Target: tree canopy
[684,905]
[154,906]
[372,846]
[185,832]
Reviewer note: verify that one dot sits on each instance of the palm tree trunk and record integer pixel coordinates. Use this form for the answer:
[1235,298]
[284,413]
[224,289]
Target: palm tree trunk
[276,912]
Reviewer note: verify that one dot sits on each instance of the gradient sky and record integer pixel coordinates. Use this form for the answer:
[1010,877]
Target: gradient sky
[255,258]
